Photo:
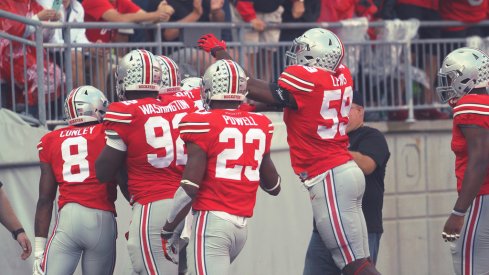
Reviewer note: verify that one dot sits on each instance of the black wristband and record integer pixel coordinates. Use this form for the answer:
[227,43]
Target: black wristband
[16,233]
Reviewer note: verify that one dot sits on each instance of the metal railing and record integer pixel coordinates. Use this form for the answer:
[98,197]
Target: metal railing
[393,74]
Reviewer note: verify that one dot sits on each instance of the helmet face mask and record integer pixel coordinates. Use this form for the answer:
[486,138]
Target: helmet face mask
[224,80]
[138,70]
[85,104]
[317,47]
[462,70]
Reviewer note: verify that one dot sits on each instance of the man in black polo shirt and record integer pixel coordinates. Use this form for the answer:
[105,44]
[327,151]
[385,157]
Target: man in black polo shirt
[369,150]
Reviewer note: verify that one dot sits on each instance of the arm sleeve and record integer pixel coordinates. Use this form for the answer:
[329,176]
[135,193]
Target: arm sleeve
[246,9]
[118,122]
[472,110]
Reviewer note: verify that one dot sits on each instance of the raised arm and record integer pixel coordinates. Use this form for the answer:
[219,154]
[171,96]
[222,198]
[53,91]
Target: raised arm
[258,90]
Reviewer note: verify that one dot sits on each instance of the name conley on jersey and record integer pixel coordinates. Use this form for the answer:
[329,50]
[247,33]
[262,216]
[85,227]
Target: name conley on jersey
[173,106]
[76,132]
[239,120]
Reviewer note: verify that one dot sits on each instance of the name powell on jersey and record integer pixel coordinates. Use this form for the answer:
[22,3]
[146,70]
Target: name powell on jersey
[338,81]
[239,120]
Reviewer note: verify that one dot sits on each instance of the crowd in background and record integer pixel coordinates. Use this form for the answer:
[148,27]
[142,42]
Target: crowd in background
[262,16]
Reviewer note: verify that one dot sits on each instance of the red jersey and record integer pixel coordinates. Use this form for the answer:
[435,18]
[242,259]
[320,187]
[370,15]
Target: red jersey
[72,152]
[316,131]
[235,142]
[470,110]
[193,94]
[94,9]
[469,11]
[155,155]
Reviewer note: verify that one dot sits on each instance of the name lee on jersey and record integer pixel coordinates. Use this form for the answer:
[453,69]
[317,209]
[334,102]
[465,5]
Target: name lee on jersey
[176,105]
[76,132]
[239,120]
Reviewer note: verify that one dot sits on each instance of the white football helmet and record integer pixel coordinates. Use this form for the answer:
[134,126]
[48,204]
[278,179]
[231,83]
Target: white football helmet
[223,80]
[461,71]
[191,83]
[138,70]
[85,104]
[317,47]
[170,73]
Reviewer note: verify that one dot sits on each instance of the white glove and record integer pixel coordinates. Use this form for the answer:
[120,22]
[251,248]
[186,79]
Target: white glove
[39,245]
[170,242]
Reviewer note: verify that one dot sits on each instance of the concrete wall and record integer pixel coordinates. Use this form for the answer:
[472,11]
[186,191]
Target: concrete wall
[420,192]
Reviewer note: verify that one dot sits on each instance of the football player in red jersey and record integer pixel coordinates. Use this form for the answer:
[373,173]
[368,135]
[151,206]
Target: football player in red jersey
[85,226]
[316,93]
[228,158]
[463,83]
[142,135]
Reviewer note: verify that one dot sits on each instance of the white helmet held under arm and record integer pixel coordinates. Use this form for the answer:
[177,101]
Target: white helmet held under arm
[317,47]
[223,80]
[461,71]
[138,70]
[85,104]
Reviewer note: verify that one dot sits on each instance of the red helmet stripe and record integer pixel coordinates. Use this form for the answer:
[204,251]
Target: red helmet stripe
[233,71]
[71,103]
[172,69]
[147,72]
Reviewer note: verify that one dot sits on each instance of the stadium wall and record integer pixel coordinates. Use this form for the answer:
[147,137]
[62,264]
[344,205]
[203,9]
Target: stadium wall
[420,192]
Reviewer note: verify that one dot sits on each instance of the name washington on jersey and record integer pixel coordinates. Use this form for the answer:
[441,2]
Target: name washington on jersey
[173,106]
